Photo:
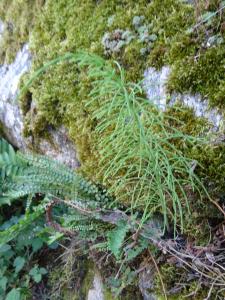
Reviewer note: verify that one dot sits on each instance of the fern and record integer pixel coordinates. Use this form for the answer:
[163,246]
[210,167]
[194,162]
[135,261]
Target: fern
[101,247]
[116,238]
[10,164]
[138,249]
[27,174]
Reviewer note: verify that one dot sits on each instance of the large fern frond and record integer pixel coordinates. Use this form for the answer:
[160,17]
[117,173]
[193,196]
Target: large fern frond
[28,174]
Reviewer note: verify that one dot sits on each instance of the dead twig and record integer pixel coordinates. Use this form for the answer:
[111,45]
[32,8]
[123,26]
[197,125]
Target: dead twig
[160,276]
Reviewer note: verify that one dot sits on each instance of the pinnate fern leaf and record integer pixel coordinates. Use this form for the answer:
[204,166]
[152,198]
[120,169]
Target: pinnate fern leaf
[116,238]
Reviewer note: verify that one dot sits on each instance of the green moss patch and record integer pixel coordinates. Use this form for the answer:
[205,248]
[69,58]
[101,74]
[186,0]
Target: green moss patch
[61,94]
[203,74]
[18,17]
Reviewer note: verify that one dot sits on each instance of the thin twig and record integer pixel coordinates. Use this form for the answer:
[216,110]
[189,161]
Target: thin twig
[160,277]
[208,18]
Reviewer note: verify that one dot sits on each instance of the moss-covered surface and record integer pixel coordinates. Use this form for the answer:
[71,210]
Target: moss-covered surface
[170,274]
[71,280]
[61,94]
[197,58]
[18,18]
[210,158]
[197,55]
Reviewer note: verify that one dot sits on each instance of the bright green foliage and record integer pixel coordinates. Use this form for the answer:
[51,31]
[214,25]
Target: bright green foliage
[21,234]
[74,25]
[137,156]
[116,238]
[30,174]
[61,96]
[19,237]
[27,232]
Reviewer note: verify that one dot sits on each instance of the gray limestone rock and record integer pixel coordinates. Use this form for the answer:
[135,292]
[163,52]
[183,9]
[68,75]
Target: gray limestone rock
[10,114]
[154,84]
[58,146]
[97,290]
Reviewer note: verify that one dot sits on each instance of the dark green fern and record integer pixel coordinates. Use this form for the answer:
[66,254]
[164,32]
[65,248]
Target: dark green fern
[28,174]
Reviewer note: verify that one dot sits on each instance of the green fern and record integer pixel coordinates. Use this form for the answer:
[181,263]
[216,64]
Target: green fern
[27,174]
[10,164]
[101,247]
[132,253]
[116,238]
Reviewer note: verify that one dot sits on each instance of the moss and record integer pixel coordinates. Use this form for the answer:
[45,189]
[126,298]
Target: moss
[61,95]
[197,63]
[74,281]
[171,275]
[18,17]
[196,66]
[88,280]
[210,158]
[71,281]
[203,74]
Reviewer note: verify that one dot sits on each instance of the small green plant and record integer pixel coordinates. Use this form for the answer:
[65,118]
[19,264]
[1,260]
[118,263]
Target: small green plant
[116,238]
[21,237]
[27,174]
[36,273]
[22,234]
[139,161]
[17,249]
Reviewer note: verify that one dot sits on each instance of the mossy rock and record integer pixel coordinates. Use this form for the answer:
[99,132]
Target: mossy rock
[18,18]
[61,93]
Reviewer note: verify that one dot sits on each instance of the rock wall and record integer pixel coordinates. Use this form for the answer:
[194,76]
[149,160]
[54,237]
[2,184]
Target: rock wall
[154,85]
[10,114]
[57,145]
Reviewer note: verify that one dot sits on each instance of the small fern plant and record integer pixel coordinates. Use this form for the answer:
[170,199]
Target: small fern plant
[28,174]
[25,175]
